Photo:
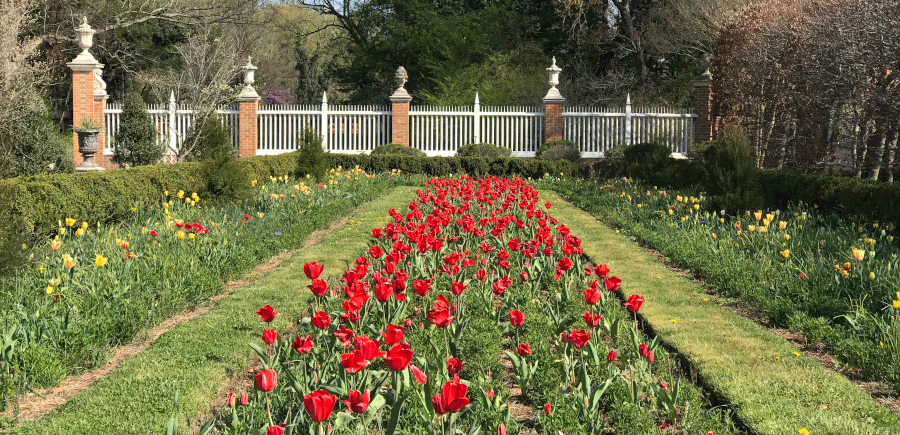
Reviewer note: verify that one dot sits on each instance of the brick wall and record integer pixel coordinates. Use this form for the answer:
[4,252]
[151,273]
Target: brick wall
[85,106]
[704,128]
[400,123]
[553,123]
[248,136]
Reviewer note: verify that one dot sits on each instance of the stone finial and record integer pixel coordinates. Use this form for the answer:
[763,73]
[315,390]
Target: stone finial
[707,61]
[249,92]
[400,77]
[85,61]
[400,95]
[553,95]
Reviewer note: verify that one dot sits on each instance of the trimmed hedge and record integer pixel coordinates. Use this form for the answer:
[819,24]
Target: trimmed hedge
[36,204]
[444,166]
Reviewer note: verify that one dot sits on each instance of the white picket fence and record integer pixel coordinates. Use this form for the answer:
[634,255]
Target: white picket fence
[172,124]
[439,131]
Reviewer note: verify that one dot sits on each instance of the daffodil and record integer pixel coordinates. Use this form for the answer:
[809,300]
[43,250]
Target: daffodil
[100,261]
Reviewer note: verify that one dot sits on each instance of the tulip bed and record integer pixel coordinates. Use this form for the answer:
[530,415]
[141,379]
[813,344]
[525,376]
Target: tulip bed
[413,336]
[831,279]
[92,286]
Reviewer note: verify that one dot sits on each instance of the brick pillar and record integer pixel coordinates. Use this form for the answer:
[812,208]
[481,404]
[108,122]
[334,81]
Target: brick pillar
[247,128]
[704,128]
[88,97]
[553,106]
[400,120]
[248,122]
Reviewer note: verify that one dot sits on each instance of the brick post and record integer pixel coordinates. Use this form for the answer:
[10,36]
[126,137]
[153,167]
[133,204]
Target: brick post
[88,97]
[704,127]
[553,106]
[248,121]
[400,109]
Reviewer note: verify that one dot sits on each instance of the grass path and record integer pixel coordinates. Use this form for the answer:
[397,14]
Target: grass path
[774,391]
[196,357]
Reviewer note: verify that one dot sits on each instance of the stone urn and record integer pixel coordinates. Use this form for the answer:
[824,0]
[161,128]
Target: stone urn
[87,146]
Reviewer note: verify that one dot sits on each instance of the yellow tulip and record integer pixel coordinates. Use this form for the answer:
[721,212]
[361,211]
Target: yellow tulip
[757,214]
[179,235]
[871,275]
[49,290]
[785,254]
[69,262]
[191,236]
[696,206]
[70,222]
[100,261]
[260,214]
[859,254]
[670,212]
[751,228]
[782,225]
[62,230]
[787,237]
[84,225]
[54,282]
[897,304]
[180,194]
[79,232]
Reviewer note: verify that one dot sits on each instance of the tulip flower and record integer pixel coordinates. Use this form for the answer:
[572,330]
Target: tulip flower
[398,357]
[422,287]
[613,283]
[275,430]
[564,264]
[231,400]
[312,270]
[591,319]
[267,314]
[454,366]
[265,380]
[858,254]
[376,252]
[601,270]
[393,335]
[69,262]
[649,356]
[153,233]
[612,356]
[420,376]
[318,287]
[634,303]
[344,335]
[245,399]
[354,361]
[516,318]
[457,288]
[357,402]
[319,405]
[55,244]
[547,409]
[269,336]
[452,397]
[100,261]
[580,338]
[303,345]
[592,296]
[321,320]
[643,349]
[524,349]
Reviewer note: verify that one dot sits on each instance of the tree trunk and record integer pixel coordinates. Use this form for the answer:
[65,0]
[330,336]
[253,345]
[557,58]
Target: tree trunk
[891,152]
[876,170]
[862,146]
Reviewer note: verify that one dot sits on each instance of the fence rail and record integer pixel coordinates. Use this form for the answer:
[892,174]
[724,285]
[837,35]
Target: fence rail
[436,130]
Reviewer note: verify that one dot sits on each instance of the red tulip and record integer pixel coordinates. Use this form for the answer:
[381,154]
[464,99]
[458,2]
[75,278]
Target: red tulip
[245,399]
[643,349]
[312,270]
[266,379]
[452,398]
[231,400]
[303,345]
[612,356]
[634,303]
[524,349]
[319,404]
[592,295]
[321,320]
[501,429]
[383,292]
[580,338]
[524,276]
[318,287]
[547,409]
[547,204]
[592,320]
[516,318]
[153,233]
[344,335]
[267,314]
[269,336]
[422,287]
[358,402]
[457,288]
[613,283]
[649,356]
[564,264]
[498,288]
[419,375]
[454,366]
[354,361]
[393,336]
[275,430]
[376,252]
[398,357]
[513,245]
[376,233]
[601,270]
[368,347]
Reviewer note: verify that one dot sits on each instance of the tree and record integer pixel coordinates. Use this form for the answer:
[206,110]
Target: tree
[136,143]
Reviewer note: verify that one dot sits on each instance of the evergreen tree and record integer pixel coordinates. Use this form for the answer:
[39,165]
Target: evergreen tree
[136,143]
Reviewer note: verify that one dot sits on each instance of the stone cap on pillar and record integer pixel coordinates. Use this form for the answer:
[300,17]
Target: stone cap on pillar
[248,94]
[400,95]
[706,77]
[553,96]
[85,61]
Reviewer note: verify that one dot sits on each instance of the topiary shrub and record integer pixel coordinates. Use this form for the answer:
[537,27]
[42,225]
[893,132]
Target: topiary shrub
[136,143]
[397,149]
[32,145]
[484,150]
[730,175]
[559,149]
[616,152]
[226,179]
[311,158]
[209,139]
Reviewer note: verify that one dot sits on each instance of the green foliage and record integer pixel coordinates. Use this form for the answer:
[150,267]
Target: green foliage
[311,158]
[33,145]
[730,175]
[559,149]
[396,149]
[484,150]
[444,166]
[136,142]
[209,139]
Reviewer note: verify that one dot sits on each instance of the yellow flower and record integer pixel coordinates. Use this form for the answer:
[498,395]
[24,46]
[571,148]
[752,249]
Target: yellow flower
[179,235]
[70,222]
[24,246]
[79,232]
[859,254]
[62,230]
[678,198]
[260,214]
[180,194]
[796,353]
[54,282]
[787,237]
[897,304]
[191,236]
[670,212]
[871,275]
[84,225]
[751,228]
[41,269]
[696,206]
[803,431]
[785,254]
[757,214]
[763,229]
[782,225]
[165,193]
[69,262]
[49,290]
[100,261]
